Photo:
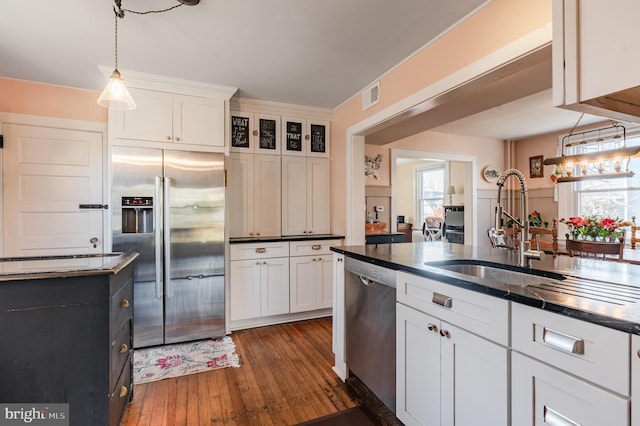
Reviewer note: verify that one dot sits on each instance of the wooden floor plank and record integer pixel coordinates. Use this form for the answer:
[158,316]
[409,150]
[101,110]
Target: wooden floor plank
[285,378]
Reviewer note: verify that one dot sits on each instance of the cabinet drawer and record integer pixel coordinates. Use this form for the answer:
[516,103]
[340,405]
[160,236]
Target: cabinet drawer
[121,309]
[590,351]
[258,250]
[313,247]
[484,315]
[120,350]
[119,396]
[543,395]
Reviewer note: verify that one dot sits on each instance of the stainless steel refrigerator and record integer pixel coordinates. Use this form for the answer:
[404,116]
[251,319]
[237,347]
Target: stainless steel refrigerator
[169,207]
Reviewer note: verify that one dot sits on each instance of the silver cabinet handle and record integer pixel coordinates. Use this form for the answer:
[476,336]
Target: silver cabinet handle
[167,235]
[445,333]
[316,247]
[442,300]
[261,250]
[562,341]
[94,241]
[432,327]
[553,418]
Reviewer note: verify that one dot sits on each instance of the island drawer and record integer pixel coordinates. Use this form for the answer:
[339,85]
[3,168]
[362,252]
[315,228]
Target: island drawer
[121,309]
[120,351]
[258,250]
[478,313]
[312,247]
[590,351]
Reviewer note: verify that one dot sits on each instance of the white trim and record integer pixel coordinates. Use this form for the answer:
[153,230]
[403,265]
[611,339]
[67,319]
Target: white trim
[170,84]
[269,107]
[355,142]
[53,122]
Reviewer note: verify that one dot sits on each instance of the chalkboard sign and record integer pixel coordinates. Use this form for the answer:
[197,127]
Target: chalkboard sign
[318,138]
[267,134]
[293,131]
[240,132]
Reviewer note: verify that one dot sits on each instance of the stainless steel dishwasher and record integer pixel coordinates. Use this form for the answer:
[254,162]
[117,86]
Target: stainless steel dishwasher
[370,305]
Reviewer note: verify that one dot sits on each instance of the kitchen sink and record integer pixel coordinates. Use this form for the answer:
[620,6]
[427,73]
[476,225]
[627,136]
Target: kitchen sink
[497,273]
[537,281]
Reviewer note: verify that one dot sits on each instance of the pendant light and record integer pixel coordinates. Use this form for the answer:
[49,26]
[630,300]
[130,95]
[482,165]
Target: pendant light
[116,95]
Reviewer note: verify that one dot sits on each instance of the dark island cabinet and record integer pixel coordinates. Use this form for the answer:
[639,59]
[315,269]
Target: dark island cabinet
[68,340]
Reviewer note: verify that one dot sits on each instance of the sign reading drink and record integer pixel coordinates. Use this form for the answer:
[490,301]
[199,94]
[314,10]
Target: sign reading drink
[318,138]
[240,132]
[293,131]
[267,134]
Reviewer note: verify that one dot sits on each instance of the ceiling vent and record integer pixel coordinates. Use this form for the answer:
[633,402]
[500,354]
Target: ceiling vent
[371,95]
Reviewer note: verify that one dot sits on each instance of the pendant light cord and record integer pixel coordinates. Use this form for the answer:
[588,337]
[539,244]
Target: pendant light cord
[152,11]
[116,40]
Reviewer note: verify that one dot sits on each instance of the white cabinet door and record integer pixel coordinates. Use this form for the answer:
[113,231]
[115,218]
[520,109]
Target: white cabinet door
[254,133]
[305,137]
[267,194]
[319,196]
[325,283]
[198,120]
[306,198]
[171,118]
[274,279]
[294,195]
[245,284]
[48,174]
[635,379]
[543,395]
[240,194]
[475,379]
[254,195]
[417,367]
[152,120]
[303,283]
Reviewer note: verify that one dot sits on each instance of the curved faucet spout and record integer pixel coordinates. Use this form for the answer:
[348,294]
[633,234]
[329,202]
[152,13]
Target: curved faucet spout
[525,253]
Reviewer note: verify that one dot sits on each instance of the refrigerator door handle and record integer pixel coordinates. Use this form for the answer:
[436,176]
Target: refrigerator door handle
[158,235]
[167,235]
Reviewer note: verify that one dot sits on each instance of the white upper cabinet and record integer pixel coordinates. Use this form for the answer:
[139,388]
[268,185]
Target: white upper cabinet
[171,118]
[254,133]
[596,46]
[305,137]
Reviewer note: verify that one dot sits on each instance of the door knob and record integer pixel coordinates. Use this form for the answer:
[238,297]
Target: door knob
[94,241]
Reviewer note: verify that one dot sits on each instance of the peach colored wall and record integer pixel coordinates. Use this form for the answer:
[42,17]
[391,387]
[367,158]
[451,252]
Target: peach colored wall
[494,26]
[24,97]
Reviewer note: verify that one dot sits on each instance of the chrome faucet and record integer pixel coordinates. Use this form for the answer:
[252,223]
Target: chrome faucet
[524,249]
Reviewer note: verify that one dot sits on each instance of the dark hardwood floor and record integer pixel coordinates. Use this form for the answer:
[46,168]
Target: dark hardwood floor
[285,378]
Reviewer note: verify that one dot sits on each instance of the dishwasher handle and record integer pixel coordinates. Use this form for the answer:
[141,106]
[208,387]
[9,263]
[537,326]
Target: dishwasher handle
[366,281]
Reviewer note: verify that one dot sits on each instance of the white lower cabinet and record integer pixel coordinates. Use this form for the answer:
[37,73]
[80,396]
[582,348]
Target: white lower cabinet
[311,275]
[568,372]
[635,379]
[544,395]
[259,280]
[447,375]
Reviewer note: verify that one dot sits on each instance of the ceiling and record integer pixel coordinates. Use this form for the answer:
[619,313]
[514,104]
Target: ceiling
[315,52]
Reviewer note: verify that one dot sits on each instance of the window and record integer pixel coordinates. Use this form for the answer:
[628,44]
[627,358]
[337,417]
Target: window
[603,197]
[430,186]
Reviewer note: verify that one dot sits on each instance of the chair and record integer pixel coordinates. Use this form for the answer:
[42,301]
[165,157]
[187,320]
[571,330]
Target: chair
[547,246]
[432,228]
[634,231]
[595,249]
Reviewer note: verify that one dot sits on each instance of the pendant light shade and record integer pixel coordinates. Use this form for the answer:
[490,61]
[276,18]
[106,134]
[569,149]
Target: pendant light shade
[116,95]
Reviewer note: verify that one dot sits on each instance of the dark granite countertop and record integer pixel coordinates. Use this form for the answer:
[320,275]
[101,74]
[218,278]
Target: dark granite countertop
[62,266]
[246,240]
[602,292]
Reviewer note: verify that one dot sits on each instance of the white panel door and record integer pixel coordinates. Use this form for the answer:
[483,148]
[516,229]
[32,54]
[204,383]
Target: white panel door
[267,193]
[198,121]
[274,279]
[319,198]
[303,283]
[294,195]
[48,173]
[240,178]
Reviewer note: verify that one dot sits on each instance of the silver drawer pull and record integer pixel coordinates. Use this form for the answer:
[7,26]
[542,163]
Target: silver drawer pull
[562,341]
[261,250]
[553,418]
[442,300]
[316,247]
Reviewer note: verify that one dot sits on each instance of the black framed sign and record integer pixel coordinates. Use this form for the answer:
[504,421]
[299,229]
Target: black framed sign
[240,132]
[293,132]
[268,133]
[318,138]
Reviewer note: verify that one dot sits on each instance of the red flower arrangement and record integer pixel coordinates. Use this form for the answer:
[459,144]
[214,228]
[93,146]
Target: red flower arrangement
[595,228]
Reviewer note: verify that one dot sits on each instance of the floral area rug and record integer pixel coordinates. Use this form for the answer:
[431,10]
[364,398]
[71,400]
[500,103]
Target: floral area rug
[162,362]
